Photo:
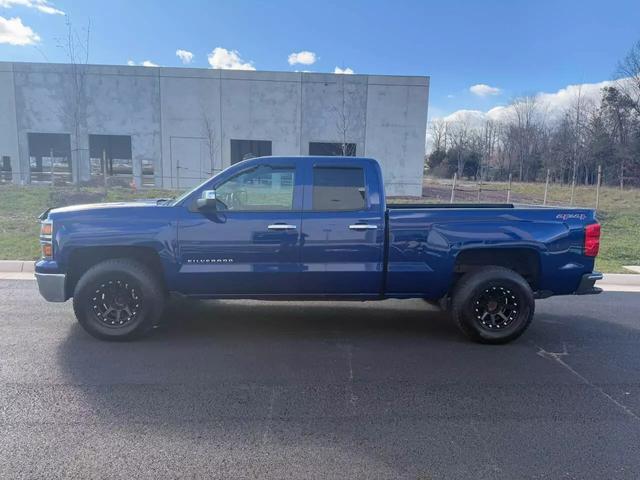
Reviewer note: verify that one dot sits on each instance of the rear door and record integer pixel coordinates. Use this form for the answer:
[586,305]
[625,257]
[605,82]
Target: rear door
[342,231]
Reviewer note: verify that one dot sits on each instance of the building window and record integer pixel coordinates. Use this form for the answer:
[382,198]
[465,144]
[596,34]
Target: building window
[5,169]
[50,157]
[245,149]
[111,155]
[325,149]
[336,188]
[264,188]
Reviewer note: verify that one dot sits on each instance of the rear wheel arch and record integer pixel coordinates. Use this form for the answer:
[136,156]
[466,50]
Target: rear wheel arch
[524,261]
[499,295]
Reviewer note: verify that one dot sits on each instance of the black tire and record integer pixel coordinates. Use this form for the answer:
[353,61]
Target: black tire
[118,299]
[493,305]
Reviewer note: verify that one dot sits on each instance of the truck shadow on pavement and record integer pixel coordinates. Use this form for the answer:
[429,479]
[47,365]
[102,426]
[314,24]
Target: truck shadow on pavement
[186,318]
[276,387]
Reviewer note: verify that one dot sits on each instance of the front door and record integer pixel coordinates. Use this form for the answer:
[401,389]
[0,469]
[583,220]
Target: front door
[250,244]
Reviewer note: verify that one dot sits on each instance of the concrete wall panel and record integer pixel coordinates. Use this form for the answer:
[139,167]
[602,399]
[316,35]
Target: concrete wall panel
[333,105]
[127,105]
[8,125]
[190,109]
[261,110]
[396,126]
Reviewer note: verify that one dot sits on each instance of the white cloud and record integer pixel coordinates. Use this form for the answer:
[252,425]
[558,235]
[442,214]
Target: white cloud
[304,57]
[185,56]
[345,71]
[228,60]
[41,5]
[14,32]
[146,63]
[483,90]
[552,105]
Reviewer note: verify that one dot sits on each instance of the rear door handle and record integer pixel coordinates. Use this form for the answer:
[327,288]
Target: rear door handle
[362,226]
[281,226]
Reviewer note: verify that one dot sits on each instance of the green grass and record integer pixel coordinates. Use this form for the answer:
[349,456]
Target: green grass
[20,207]
[619,213]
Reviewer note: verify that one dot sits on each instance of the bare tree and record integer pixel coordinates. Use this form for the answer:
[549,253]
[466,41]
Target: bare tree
[76,46]
[438,135]
[629,76]
[527,118]
[211,139]
[460,139]
[487,143]
[344,120]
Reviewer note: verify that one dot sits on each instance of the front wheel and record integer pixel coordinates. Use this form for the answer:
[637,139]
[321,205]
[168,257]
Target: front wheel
[493,305]
[118,299]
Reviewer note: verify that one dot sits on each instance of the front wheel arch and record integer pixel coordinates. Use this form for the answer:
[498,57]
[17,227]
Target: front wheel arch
[144,286]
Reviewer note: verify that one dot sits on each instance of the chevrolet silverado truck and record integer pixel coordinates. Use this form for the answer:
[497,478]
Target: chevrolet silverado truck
[312,228]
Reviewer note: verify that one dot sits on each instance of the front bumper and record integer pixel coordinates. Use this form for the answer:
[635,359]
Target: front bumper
[52,286]
[586,286]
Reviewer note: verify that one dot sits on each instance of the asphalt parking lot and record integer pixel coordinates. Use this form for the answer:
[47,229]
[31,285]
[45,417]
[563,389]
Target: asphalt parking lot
[319,390]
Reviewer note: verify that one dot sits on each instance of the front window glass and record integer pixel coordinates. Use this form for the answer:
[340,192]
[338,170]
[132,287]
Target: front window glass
[261,188]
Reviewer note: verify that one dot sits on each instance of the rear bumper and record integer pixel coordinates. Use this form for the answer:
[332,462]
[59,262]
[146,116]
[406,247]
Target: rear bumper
[587,284]
[52,286]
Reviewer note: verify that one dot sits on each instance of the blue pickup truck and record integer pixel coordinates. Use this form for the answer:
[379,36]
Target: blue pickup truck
[309,228]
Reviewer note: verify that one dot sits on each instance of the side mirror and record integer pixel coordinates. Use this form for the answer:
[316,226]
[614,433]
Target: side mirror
[207,201]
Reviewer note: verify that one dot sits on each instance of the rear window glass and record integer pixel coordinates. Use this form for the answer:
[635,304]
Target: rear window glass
[337,188]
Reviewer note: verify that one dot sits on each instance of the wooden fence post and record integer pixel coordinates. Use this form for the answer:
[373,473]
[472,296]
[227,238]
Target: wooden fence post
[546,187]
[453,187]
[599,181]
[573,182]
[51,160]
[104,170]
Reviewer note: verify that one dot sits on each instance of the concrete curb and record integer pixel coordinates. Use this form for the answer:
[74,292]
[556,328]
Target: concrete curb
[620,279]
[15,266]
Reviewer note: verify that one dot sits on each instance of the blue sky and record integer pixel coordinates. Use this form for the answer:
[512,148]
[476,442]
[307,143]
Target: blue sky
[516,47]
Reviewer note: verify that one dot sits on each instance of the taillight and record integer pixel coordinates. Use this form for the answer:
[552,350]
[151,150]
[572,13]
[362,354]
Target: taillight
[592,239]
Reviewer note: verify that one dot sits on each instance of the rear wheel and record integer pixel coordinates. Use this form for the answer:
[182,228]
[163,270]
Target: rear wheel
[118,299]
[493,305]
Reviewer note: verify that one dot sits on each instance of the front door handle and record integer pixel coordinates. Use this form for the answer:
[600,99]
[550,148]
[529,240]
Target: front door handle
[362,226]
[281,226]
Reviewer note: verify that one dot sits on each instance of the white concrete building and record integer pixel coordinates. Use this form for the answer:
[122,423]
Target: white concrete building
[173,127]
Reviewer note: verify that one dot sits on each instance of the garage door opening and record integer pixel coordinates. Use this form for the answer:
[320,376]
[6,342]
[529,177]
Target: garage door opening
[245,149]
[328,149]
[50,157]
[111,156]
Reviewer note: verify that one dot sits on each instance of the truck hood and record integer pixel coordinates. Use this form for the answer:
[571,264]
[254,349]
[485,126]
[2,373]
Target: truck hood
[92,207]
